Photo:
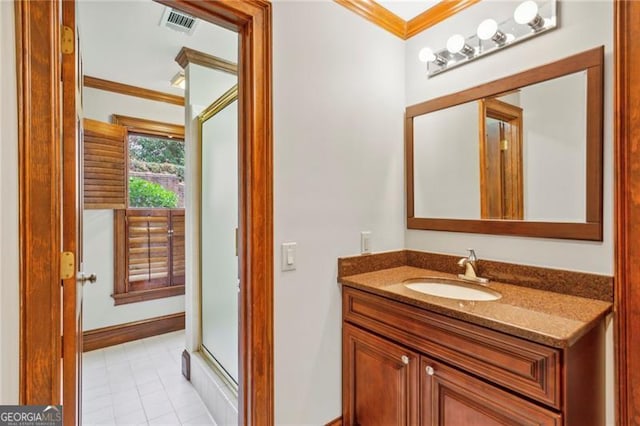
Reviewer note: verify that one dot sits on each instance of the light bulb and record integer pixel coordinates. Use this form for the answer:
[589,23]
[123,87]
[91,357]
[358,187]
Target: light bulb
[455,43]
[426,55]
[487,29]
[526,12]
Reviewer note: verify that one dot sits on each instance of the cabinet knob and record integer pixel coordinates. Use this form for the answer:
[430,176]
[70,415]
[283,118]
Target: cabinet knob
[430,370]
[405,359]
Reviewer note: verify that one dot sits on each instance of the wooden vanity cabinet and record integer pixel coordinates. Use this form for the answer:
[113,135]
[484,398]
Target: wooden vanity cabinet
[450,397]
[383,380]
[403,365]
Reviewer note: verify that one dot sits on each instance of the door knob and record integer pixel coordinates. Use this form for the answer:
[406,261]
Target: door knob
[83,278]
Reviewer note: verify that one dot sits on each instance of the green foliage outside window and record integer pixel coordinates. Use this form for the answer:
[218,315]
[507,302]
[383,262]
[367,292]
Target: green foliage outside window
[143,193]
[156,150]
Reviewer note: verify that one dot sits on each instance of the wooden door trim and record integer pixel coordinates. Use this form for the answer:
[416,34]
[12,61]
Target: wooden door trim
[72,206]
[500,110]
[252,21]
[38,76]
[627,207]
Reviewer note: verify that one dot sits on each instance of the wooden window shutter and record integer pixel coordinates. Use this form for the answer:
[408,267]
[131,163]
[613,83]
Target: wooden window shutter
[105,165]
[150,256]
[148,234]
[177,247]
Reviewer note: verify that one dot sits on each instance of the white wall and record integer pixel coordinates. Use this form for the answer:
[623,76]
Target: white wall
[99,310]
[101,104]
[583,25]
[9,250]
[338,162]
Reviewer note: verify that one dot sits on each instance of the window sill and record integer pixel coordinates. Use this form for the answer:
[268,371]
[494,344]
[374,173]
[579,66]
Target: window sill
[144,295]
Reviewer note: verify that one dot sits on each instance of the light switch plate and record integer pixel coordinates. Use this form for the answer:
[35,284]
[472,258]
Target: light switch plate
[288,256]
[365,242]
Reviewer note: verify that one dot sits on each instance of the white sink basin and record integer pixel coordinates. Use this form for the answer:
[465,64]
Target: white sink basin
[451,289]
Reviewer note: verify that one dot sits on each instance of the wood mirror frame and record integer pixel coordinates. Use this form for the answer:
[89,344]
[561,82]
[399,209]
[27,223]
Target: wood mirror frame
[591,61]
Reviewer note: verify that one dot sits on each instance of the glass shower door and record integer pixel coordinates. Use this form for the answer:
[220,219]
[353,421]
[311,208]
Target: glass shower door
[218,227]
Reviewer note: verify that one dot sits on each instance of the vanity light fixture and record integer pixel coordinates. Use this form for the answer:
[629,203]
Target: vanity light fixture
[179,80]
[488,30]
[427,55]
[457,44]
[527,13]
[502,29]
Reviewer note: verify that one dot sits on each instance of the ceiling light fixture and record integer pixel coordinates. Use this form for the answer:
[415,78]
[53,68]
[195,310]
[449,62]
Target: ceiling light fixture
[527,13]
[179,80]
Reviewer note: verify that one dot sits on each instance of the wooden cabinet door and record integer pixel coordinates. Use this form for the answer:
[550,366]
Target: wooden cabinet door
[453,398]
[380,381]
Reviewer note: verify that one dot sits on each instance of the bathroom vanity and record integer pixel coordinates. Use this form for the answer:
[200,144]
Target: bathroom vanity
[532,357]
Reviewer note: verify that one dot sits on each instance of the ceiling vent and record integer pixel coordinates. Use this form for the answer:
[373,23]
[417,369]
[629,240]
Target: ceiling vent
[178,21]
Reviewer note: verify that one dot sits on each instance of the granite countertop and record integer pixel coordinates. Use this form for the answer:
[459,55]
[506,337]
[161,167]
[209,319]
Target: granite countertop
[546,317]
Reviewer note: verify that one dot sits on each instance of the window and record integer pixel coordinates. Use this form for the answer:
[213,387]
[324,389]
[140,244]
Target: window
[149,233]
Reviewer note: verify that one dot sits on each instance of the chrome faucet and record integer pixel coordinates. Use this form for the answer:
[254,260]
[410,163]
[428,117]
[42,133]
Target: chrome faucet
[470,265]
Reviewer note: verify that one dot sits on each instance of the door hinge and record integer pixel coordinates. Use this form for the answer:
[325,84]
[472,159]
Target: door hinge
[67,265]
[67,40]
[504,145]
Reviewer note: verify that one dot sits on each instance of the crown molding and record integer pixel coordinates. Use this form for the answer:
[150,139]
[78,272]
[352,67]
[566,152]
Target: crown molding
[377,14]
[188,56]
[384,18]
[125,89]
[435,15]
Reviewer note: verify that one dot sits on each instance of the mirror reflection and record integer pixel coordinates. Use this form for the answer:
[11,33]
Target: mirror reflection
[518,155]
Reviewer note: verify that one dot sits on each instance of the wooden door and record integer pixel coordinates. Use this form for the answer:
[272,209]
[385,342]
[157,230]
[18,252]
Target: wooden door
[501,183]
[380,381]
[71,217]
[453,398]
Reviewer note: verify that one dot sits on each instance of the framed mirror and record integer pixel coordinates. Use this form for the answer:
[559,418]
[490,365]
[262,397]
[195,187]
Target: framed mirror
[517,156]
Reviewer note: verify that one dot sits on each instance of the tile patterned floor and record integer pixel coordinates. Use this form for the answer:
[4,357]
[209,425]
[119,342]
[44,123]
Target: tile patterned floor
[140,383]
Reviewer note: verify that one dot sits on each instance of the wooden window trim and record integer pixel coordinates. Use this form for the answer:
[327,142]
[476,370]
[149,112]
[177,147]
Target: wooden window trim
[121,292]
[144,295]
[149,127]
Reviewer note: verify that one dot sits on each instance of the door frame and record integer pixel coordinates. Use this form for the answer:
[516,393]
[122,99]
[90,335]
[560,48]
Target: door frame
[627,208]
[40,166]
